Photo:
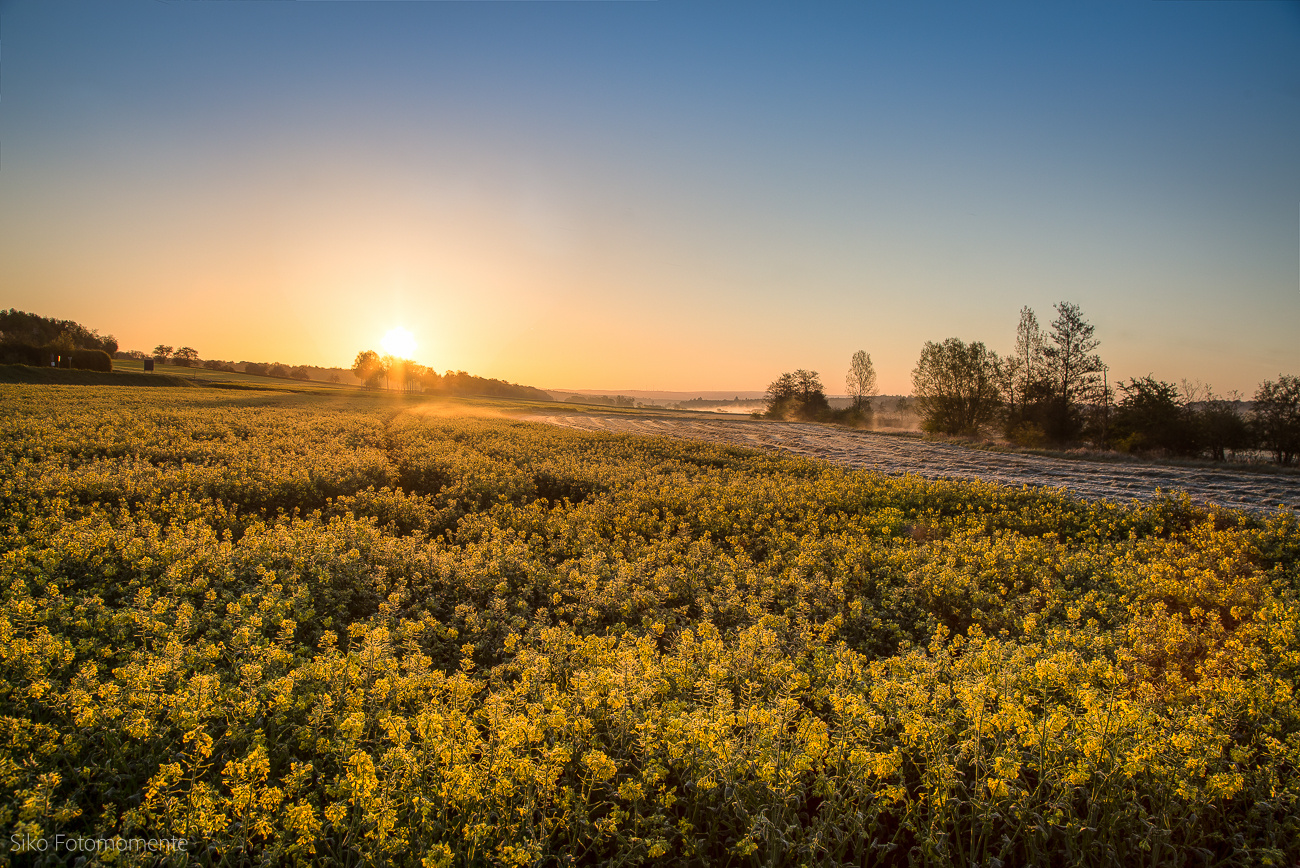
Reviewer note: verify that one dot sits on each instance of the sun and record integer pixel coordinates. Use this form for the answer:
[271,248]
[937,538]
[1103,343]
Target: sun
[399,342]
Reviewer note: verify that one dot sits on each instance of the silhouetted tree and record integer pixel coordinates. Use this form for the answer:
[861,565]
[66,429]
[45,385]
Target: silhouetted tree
[861,378]
[161,353]
[368,368]
[185,357]
[797,396]
[34,332]
[1072,369]
[1222,427]
[1024,370]
[956,386]
[1152,416]
[1276,417]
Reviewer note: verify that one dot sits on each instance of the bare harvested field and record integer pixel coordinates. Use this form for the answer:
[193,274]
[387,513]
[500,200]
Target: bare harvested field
[1100,480]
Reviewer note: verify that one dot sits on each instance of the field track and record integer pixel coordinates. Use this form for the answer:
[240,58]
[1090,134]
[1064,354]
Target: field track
[1095,480]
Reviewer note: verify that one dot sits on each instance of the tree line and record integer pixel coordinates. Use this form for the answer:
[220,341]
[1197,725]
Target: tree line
[390,371]
[1054,389]
[800,395]
[31,339]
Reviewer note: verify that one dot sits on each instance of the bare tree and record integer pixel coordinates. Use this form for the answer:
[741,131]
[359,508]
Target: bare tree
[861,379]
[1025,366]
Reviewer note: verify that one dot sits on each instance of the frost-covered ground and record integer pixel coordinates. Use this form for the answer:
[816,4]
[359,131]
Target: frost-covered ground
[1254,491]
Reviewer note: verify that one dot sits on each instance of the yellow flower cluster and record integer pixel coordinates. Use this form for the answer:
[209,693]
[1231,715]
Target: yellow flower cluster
[302,630]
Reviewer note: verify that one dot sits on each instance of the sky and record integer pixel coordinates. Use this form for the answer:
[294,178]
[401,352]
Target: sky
[658,195]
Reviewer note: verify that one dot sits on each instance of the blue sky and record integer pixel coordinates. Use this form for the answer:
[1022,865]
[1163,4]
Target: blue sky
[658,195]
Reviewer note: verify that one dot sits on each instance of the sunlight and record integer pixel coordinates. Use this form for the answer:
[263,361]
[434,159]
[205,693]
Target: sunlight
[399,342]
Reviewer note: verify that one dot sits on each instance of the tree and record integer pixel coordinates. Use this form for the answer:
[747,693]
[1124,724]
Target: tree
[956,386]
[1277,417]
[1071,367]
[861,379]
[21,329]
[161,352]
[394,368]
[1221,425]
[780,396]
[797,396]
[368,368]
[1152,416]
[1025,366]
[185,357]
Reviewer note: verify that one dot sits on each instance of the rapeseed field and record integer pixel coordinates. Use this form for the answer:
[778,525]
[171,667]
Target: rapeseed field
[333,630]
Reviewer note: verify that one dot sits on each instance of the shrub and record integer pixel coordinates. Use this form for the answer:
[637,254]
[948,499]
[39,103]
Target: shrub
[1152,417]
[23,354]
[92,360]
[1222,427]
[1277,417]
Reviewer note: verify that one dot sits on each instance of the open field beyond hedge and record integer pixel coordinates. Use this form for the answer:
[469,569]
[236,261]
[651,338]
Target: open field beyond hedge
[353,629]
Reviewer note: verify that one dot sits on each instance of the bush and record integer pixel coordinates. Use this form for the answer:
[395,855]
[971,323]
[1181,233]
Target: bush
[797,397]
[92,360]
[1152,417]
[956,386]
[1277,417]
[24,354]
[1222,427]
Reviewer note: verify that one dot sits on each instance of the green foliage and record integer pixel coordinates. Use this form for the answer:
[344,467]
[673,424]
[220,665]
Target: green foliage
[18,328]
[313,630]
[956,386]
[91,360]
